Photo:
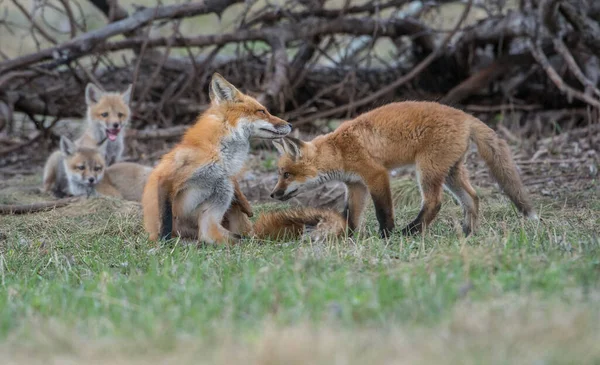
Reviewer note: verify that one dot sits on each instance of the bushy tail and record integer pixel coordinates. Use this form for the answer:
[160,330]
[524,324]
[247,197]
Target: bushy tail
[497,156]
[156,205]
[296,222]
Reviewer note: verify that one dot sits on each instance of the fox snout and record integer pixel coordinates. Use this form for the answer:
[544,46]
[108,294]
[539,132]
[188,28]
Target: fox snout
[284,193]
[277,194]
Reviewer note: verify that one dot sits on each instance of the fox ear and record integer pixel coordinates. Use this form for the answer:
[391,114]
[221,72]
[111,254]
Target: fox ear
[279,147]
[67,147]
[126,95]
[221,90]
[92,94]
[292,146]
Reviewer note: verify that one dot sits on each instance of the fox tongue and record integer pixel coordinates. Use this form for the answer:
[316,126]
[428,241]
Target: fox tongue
[112,137]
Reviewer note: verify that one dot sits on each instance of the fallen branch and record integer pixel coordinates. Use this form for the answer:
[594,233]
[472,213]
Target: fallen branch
[164,133]
[402,80]
[541,58]
[78,46]
[35,207]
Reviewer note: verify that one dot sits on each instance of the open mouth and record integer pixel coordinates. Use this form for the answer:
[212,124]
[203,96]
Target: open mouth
[289,195]
[276,133]
[112,134]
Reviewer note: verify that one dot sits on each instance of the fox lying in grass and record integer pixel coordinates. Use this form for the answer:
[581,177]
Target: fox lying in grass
[73,170]
[432,136]
[108,114]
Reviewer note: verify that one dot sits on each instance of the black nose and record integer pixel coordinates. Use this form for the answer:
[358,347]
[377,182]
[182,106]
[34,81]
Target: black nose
[91,180]
[115,125]
[272,195]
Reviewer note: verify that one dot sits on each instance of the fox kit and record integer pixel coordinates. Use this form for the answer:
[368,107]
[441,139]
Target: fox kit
[295,223]
[195,180]
[73,170]
[107,116]
[317,224]
[124,180]
[432,136]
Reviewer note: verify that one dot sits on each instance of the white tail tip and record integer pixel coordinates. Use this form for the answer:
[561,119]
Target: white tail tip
[533,216]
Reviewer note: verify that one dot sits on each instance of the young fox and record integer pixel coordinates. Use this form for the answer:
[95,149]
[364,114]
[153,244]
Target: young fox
[317,224]
[73,170]
[195,180]
[124,180]
[294,223]
[107,116]
[432,136]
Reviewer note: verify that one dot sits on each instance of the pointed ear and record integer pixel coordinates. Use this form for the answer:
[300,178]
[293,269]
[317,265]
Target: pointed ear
[67,147]
[92,94]
[221,91]
[126,95]
[279,147]
[292,146]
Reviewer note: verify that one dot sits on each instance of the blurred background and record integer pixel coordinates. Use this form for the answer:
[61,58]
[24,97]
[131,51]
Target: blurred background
[528,68]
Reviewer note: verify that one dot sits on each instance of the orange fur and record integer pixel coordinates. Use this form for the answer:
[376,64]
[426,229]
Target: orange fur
[124,180]
[432,136]
[108,114]
[294,223]
[201,149]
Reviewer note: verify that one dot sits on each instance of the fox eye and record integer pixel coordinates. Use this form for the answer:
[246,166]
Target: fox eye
[286,175]
[97,168]
[104,115]
[120,115]
[81,167]
[262,111]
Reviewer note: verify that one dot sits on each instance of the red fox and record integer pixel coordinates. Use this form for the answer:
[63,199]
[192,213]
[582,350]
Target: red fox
[432,136]
[108,114]
[73,170]
[124,180]
[295,223]
[317,224]
[195,180]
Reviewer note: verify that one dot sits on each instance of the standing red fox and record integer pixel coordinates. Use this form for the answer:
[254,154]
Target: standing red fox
[195,180]
[432,136]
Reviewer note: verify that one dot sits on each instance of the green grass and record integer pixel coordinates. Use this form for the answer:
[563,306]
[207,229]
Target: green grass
[82,279]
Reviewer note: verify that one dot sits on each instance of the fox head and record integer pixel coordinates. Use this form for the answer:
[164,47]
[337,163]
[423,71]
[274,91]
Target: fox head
[108,111]
[296,168]
[242,112]
[84,166]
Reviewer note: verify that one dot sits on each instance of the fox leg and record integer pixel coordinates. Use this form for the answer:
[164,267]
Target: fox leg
[378,183]
[211,215]
[236,220]
[210,229]
[457,182]
[355,204]
[430,184]
[240,200]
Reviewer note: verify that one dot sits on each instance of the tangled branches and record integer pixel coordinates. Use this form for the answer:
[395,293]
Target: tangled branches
[305,59]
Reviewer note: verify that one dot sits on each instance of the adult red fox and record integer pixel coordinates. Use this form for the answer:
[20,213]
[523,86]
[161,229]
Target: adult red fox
[432,136]
[195,180]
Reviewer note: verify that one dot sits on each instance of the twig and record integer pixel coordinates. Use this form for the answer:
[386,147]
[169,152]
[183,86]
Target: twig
[76,47]
[11,149]
[157,133]
[541,58]
[402,80]
[35,207]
